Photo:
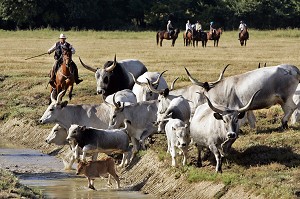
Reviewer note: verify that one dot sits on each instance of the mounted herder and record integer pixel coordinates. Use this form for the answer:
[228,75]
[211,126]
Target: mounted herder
[68,72]
[169,34]
[243,34]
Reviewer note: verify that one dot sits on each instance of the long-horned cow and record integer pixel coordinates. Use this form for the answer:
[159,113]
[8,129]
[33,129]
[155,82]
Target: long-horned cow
[140,88]
[114,75]
[216,128]
[277,85]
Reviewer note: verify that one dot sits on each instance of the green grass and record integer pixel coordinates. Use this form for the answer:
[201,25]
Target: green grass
[264,159]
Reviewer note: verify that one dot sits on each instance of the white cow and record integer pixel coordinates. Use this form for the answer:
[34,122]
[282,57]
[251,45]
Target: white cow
[177,136]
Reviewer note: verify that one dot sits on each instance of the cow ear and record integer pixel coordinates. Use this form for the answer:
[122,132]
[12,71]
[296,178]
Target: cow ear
[64,104]
[83,128]
[169,115]
[173,128]
[166,92]
[218,116]
[241,115]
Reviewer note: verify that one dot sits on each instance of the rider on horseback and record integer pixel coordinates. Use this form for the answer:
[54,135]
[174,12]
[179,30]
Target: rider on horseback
[57,47]
[170,29]
[188,28]
[198,27]
[242,27]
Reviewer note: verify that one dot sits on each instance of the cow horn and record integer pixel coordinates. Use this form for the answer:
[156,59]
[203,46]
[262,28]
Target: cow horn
[173,83]
[220,77]
[60,96]
[247,106]
[115,103]
[157,81]
[112,67]
[87,67]
[150,86]
[52,96]
[212,107]
[193,80]
[136,81]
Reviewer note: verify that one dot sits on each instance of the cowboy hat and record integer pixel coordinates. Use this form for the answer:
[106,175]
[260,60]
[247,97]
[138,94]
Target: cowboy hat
[62,36]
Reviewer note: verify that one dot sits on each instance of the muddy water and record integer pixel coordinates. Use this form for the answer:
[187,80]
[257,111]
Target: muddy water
[46,173]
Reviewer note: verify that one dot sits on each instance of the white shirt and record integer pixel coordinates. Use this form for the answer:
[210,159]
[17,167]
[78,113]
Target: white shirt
[242,26]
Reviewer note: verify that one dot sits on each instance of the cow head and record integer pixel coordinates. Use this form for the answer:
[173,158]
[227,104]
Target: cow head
[182,135]
[116,116]
[74,132]
[142,90]
[103,76]
[230,117]
[57,135]
[206,85]
[161,121]
[54,109]
[163,99]
[81,168]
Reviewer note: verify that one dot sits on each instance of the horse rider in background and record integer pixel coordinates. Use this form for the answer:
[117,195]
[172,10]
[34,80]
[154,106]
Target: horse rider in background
[198,27]
[188,28]
[242,27]
[57,47]
[170,29]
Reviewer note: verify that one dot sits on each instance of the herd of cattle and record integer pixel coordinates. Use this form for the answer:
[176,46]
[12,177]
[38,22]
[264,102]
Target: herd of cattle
[138,103]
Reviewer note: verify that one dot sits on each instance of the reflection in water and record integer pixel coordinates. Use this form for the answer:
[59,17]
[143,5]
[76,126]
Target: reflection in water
[45,173]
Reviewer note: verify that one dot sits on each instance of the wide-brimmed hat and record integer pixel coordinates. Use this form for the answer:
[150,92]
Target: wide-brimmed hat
[62,36]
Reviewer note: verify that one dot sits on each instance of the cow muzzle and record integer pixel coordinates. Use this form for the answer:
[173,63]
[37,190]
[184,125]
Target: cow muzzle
[231,135]
[100,91]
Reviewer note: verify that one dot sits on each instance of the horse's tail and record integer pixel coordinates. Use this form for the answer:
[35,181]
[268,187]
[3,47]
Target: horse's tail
[157,38]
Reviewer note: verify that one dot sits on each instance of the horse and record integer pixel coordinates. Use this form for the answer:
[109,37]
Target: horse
[65,76]
[199,36]
[165,35]
[215,35]
[244,36]
[187,38]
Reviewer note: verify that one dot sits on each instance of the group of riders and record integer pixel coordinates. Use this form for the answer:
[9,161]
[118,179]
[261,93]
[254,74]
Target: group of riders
[198,27]
[62,44]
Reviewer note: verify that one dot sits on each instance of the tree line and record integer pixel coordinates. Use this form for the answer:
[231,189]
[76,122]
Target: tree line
[147,14]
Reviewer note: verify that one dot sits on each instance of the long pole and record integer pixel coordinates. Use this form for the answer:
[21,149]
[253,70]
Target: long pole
[36,56]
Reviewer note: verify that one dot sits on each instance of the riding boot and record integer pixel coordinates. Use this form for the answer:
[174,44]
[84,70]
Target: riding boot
[52,77]
[76,77]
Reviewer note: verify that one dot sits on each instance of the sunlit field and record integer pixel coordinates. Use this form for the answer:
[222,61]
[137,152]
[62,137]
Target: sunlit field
[264,159]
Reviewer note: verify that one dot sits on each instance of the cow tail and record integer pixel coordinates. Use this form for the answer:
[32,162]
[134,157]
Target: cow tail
[157,38]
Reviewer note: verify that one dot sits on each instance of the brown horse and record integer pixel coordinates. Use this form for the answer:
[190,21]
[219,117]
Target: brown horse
[215,35]
[187,38]
[65,76]
[165,35]
[244,36]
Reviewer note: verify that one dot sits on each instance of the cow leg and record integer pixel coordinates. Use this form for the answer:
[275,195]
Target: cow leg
[251,119]
[112,173]
[288,108]
[185,154]
[295,116]
[91,183]
[109,180]
[135,149]
[173,154]
[199,161]
[124,159]
[218,157]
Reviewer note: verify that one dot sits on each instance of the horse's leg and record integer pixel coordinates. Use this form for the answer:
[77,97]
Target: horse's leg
[70,91]
[245,42]
[161,41]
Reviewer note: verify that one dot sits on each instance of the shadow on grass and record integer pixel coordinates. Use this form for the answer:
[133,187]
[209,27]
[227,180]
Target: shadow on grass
[264,155]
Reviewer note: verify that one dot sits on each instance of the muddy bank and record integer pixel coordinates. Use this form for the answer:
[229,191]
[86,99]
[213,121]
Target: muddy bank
[151,176]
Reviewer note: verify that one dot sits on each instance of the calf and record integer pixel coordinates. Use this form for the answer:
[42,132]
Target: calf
[178,136]
[93,141]
[216,129]
[57,136]
[94,169]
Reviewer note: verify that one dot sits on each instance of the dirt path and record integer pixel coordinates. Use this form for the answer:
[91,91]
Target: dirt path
[148,174]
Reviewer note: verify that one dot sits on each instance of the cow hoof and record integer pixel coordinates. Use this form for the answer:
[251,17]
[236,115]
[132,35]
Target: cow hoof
[92,187]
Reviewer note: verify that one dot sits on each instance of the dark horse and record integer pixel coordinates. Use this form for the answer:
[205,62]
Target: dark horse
[65,75]
[199,36]
[215,35]
[187,38]
[165,35]
[244,36]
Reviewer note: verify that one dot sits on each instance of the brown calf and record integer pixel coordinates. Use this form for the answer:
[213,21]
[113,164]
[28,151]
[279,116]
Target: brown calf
[93,169]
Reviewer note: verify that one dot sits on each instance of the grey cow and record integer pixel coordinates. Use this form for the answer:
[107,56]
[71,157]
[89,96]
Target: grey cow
[277,85]
[93,141]
[216,129]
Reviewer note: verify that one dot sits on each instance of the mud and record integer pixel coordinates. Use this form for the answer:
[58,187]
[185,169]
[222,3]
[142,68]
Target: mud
[147,174]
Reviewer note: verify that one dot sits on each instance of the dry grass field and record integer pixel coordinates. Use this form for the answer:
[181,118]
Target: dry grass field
[264,160]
